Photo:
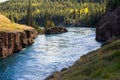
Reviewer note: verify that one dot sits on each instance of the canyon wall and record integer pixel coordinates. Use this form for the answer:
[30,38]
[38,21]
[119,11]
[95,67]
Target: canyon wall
[109,25]
[11,42]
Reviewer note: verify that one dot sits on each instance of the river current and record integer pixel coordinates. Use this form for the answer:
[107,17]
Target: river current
[49,53]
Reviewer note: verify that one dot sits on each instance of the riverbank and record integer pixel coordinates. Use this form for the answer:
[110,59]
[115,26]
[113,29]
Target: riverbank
[14,37]
[101,64]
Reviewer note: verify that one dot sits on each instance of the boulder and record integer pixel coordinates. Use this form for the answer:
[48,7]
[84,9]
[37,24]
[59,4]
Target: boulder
[56,30]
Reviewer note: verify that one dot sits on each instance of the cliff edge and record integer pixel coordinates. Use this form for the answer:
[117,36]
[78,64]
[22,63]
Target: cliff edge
[109,25]
[14,37]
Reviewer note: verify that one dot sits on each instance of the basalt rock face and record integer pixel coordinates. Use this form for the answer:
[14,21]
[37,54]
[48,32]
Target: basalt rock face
[11,42]
[109,25]
[56,30]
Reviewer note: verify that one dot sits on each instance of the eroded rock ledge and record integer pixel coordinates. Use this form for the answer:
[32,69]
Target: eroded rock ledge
[11,42]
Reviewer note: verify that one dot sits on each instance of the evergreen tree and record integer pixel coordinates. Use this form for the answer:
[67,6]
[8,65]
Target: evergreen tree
[58,10]
[29,15]
[12,18]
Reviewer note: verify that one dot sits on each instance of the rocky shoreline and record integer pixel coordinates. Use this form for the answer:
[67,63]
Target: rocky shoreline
[11,42]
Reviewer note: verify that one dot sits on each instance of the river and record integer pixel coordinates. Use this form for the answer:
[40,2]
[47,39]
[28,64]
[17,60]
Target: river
[49,53]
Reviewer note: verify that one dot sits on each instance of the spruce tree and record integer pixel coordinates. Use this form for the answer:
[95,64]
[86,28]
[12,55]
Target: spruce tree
[29,15]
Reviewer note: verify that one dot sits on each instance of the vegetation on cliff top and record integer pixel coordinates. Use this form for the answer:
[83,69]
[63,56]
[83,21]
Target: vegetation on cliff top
[7,25]
[102,64]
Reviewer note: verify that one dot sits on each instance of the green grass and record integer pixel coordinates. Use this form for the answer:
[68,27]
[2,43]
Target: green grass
[40,30]
[102,64]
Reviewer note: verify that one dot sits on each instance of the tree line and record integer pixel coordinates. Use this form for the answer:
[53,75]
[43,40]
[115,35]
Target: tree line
[67,12]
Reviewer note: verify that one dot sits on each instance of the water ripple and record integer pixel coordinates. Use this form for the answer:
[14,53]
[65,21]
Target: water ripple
[49,53]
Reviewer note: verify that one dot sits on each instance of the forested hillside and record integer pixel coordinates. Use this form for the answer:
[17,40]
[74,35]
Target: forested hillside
[68,12]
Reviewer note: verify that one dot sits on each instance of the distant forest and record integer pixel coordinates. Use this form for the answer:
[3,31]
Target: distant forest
[66,12]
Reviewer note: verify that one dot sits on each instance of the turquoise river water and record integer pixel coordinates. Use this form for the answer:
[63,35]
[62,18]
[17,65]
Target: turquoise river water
[49,53]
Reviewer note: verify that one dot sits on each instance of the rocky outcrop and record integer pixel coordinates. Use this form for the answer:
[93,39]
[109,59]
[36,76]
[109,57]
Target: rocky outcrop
[109,25]
[11,42]
[14,37]
[56,30]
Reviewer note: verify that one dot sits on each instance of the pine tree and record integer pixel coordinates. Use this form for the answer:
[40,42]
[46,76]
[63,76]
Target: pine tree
[46,20]
[29,15]
[12,18]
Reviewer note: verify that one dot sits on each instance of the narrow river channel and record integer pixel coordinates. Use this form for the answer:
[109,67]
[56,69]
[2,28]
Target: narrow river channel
[49,53]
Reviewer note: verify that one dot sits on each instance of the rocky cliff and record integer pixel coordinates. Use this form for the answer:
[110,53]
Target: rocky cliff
[14,37]
[109,25]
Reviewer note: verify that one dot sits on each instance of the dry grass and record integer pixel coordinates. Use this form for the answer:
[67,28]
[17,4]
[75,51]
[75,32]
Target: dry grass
[7,25]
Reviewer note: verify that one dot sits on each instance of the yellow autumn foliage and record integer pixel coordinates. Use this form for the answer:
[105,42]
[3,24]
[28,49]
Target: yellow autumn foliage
[86,10]
[71,10]
[34,5]
[76,10]
[81,11]
[85,4]
[38,11]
